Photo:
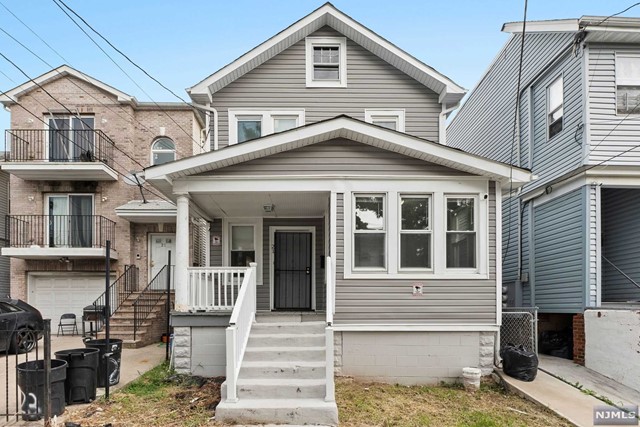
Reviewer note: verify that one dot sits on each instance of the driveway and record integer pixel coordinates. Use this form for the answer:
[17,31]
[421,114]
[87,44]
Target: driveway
[134,362]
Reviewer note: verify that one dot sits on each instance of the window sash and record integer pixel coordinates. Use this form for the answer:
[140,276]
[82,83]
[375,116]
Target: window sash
[555,107]
[368,237]
[459,230]
[627,70]
[241,256]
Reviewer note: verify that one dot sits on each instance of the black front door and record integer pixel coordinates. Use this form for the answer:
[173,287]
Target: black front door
[292,270]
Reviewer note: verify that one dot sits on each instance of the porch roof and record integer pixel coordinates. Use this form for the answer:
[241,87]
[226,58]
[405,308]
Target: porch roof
[163,176]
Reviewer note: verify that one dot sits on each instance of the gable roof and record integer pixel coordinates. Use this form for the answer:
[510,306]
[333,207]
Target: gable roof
[327,14]
[346,127]
[11,96]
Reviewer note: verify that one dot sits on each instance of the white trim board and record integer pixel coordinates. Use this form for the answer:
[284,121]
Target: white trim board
[414,328]
[302,229]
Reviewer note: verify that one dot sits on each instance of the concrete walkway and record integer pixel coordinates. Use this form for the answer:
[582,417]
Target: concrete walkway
[560,397]
[589,380]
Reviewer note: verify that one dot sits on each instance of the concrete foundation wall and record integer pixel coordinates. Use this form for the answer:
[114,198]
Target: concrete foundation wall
[200,350]
[412,357]
[612,344]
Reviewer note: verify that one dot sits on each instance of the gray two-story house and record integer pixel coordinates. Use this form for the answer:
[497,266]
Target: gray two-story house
[571,238]
[340,222]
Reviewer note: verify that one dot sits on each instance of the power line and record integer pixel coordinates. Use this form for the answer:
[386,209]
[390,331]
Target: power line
[515,124]
[615,14]
[121,69]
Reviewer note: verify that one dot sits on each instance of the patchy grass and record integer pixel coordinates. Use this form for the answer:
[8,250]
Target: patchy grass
[162,398]
[375,404]
[157,398]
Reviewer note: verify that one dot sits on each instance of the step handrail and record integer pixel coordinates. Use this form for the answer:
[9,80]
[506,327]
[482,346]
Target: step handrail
[328,337]
[119,291]
[145,302]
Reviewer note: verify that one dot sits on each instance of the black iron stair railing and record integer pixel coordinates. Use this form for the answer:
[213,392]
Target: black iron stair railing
[119,291]
[149,298]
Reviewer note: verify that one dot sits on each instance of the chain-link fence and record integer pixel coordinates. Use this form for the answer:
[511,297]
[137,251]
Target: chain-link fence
[520,327]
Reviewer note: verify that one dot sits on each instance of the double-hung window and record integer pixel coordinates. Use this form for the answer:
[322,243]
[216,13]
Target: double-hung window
[390,119]
[369,232]
[242,245]
[326,59]
[628,84]
[246,125]
[461,239]
[415,232]
[555,112]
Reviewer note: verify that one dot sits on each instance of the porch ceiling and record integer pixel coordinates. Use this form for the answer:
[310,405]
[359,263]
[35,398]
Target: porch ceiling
[250,204]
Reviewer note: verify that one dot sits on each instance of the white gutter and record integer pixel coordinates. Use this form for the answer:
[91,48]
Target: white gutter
[442,118]
[209,108]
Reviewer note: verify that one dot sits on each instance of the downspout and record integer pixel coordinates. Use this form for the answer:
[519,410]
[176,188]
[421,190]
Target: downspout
[442,131]
[210,109]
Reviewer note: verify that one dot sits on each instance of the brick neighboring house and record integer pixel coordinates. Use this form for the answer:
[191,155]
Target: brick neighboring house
[69,192]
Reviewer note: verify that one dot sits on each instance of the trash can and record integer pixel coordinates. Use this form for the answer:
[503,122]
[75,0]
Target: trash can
[82,374]
[114,349]
[31,383]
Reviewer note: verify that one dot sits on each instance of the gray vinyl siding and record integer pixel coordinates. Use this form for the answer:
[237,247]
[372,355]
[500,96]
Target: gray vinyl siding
[337,156]
[484,124]
[264,291]
[525,130]
[390,301]
[215,252]
[280,83]
[610,134]
[510,240]
[559,253]
[5,274]
[526,251]
[593,203]
[621,243]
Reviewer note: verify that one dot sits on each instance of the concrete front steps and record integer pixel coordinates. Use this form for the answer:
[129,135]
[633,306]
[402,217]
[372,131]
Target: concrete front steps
[151,330]
[283,375]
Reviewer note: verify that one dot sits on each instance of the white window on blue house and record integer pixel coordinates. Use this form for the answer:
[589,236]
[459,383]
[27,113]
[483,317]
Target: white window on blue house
[369,232]
[461,241]
[555,110]
[627,84]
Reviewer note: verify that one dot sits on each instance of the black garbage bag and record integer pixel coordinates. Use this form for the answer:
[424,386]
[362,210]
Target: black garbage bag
[519,363]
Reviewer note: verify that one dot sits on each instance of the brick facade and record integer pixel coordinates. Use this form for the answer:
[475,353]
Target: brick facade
[578,339]
[132,127]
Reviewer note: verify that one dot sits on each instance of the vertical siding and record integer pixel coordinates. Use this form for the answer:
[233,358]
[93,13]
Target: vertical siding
[484,124]
[559,253]
[621,243]
[264,291]
[215,252]
[280,83]
[610,134]
[5,288]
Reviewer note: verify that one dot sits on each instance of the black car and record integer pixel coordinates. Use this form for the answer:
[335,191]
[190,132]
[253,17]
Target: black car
[21,326]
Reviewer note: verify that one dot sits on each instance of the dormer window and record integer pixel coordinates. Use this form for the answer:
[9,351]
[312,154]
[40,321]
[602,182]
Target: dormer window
[326,59]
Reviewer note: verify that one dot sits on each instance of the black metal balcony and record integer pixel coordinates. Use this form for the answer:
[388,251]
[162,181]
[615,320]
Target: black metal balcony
[60,231]
[51,145]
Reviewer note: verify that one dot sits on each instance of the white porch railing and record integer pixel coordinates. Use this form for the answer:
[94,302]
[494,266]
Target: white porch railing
[214,288]
[242,317]
[328,340]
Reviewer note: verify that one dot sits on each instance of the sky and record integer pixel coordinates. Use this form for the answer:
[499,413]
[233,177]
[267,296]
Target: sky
[182,42]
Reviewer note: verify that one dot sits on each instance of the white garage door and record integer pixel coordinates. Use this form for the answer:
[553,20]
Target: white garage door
[69,293]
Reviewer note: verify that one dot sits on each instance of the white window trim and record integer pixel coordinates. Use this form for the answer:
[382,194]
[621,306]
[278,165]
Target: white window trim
[438,189]
[560,77]
[624,83]
[371,114]
[385,230]
[153,151]
[341,43]
[476,223]
[256,223]
[267,117]
[429,230]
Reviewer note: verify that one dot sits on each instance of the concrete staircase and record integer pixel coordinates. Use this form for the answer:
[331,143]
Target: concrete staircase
[151,330]
[283,375]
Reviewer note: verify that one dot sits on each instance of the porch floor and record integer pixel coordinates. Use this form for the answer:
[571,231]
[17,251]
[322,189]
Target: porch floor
[589,380]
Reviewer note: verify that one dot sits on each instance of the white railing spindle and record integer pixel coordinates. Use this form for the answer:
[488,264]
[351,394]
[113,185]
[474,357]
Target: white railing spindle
[214,288]
[331,283]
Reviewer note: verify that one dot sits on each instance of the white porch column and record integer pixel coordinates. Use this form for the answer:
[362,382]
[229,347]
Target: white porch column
[181,275]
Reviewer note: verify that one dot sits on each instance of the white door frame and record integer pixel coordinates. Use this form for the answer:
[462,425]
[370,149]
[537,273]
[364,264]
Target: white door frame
[149,257]
[301,229]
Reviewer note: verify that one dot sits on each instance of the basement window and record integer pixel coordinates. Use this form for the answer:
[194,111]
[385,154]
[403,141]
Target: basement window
[326,59]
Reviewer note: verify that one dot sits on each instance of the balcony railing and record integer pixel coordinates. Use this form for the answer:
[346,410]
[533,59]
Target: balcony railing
[60,231]
[50,145]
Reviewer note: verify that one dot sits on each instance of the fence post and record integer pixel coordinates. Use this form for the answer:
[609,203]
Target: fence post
[107,314]
[47,373]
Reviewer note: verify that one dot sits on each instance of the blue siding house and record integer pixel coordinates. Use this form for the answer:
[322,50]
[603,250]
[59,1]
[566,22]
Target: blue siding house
[571,237]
